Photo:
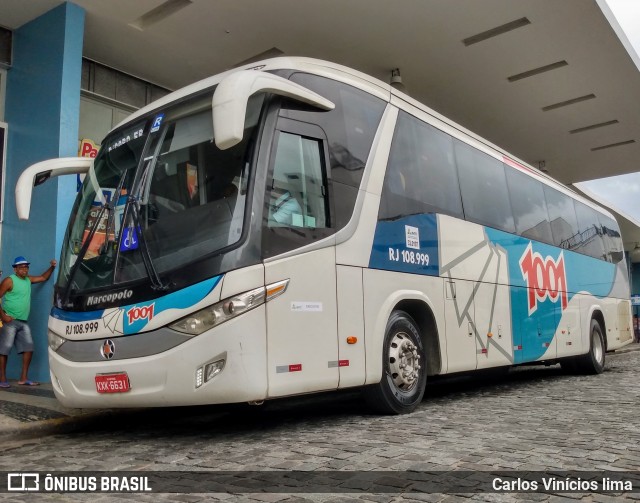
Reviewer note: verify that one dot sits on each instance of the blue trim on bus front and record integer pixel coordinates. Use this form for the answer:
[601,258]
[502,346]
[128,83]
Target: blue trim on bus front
[181,299]
[73,316]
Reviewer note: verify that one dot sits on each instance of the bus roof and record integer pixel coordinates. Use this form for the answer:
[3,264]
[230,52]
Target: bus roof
[371,85]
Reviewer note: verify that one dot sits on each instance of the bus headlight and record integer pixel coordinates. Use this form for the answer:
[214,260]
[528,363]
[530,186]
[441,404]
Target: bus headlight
[55,341]
[218,313]
[212,316]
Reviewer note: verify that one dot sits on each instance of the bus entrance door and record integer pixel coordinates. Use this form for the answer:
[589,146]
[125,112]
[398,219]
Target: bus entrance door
[302,339]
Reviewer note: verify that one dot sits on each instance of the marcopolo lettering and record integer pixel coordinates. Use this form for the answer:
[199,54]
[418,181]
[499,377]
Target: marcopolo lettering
[109,297]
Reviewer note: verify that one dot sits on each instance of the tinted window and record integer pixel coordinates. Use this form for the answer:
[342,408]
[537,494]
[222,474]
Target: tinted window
[350,129]
[421,175]
[612,239]
[297,196]
[484,188]
[590,233]
[529,207]
[296,205]
[562,216]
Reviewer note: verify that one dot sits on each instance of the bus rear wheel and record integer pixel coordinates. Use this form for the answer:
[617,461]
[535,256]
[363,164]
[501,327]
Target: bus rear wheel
[404,372]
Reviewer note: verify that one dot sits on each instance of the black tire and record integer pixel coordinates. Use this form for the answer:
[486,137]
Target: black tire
[593,362]
[404,370]
[569,365]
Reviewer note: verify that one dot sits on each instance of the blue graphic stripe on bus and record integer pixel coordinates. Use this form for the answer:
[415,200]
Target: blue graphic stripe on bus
[543,281]
[408,244]
[138,315]
[545,263]
[74,316]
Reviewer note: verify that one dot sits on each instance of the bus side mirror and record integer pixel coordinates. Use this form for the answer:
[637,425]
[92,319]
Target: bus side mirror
[232,94]
[39,173]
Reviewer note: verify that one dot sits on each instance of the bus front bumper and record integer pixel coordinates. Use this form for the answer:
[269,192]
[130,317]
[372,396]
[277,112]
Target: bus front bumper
[170,378]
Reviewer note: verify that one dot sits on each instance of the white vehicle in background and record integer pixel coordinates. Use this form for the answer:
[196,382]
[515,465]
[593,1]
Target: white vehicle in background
[298,226]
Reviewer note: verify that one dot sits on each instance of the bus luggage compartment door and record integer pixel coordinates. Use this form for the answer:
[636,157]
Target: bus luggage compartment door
[460,325]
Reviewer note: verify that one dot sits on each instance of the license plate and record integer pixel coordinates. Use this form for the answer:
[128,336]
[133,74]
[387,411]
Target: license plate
[112,383]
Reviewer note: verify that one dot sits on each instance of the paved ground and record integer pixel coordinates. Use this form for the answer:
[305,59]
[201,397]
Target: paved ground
[536,419]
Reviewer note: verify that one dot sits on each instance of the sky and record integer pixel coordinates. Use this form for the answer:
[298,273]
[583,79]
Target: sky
[621,193]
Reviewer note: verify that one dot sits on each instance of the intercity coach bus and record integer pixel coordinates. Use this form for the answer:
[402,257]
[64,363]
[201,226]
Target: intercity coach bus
[296,226]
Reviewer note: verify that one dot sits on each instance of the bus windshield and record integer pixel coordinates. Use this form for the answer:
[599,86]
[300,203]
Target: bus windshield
[160,195]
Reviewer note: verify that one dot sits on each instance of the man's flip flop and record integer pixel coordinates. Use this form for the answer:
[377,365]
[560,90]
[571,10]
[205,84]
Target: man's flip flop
[28,383]
[5,384]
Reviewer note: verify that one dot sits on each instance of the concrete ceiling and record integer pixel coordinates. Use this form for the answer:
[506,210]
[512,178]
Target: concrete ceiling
[494,86]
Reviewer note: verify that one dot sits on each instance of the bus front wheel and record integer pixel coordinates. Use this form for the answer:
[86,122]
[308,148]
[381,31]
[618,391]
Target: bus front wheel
[404,372]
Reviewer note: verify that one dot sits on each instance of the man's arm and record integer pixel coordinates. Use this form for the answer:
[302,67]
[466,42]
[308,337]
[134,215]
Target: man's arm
[44,276]
[5,286]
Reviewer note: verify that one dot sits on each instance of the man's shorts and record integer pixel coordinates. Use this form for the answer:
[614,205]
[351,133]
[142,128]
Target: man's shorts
[15,331]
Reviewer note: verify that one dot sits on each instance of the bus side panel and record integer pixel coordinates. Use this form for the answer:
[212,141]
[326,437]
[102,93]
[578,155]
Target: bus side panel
[302,334]
[351,355]
[569,333]
[493,322]
[625,325]
[242,280]
[617,314]
[549,286]
[383,290]
[621,290]
[466,252]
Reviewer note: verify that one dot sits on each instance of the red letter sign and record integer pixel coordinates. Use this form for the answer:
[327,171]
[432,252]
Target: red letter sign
[546,278]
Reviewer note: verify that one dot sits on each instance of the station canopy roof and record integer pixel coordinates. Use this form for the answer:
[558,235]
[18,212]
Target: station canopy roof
[549,81]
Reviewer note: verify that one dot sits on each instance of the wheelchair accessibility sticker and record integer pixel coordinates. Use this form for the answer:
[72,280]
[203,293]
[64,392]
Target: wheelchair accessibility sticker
[129,239]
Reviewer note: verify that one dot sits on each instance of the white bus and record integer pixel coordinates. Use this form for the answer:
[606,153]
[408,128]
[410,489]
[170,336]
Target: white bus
[297,226]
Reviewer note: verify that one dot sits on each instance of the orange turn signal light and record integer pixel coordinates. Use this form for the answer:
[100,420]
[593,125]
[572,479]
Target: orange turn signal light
[351,339]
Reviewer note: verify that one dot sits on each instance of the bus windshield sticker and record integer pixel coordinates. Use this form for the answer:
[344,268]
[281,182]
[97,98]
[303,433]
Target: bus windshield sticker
[413,237]
[157,122]
[126,138]
[129,239]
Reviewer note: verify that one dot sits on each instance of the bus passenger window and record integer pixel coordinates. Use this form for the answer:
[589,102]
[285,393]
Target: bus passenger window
[297,197]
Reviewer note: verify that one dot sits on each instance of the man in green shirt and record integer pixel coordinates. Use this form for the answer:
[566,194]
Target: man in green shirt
[16,290]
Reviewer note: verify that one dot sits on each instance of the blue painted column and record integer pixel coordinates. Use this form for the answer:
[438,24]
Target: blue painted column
[42,111]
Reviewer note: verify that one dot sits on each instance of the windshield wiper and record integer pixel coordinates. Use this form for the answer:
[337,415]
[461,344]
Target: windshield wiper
[134,207]
[111,206]
[87,242]
[81,254]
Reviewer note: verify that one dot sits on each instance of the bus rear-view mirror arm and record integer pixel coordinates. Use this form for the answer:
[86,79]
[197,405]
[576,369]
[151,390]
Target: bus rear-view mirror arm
[39,173]
[232,94]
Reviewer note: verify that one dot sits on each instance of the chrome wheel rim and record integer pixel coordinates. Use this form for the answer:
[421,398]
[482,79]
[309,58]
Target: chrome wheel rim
[598,350]
[404,362]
